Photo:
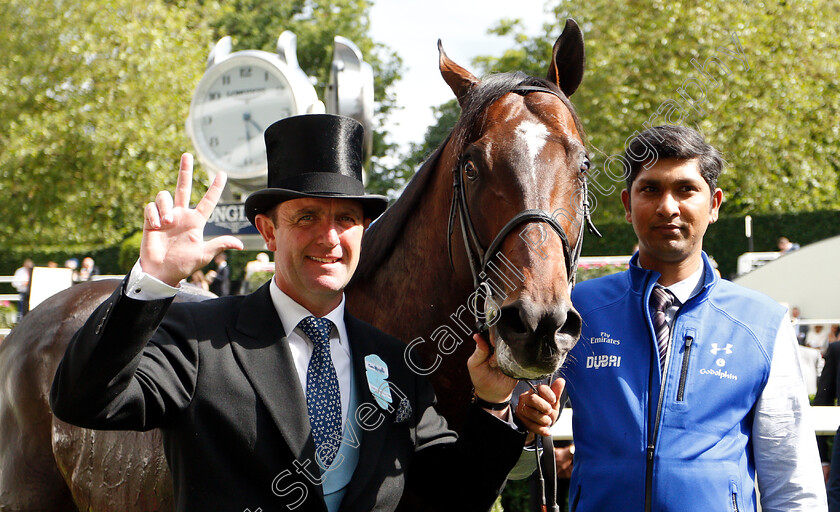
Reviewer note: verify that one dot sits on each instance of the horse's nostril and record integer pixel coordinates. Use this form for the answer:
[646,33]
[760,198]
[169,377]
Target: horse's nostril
[519,323]
[573,324]
[511,321]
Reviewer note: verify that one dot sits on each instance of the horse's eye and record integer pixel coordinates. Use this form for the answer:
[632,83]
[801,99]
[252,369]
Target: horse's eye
[470,170]
[585,165]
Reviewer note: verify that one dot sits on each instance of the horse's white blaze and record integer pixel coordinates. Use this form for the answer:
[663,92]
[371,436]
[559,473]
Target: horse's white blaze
[533,136]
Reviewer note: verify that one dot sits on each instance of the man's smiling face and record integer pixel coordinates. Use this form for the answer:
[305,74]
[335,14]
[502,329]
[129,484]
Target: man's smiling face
[316,244]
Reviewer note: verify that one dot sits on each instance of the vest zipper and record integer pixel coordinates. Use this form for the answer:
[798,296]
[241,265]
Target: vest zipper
[684,370]
[651,447]
[652,439]
[733,492]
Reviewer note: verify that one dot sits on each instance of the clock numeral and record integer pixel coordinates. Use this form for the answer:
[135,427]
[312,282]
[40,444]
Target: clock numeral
[214,96]
[245,72]
[226,80]
[207,120]
[266,76]
[248,161]
[213,142]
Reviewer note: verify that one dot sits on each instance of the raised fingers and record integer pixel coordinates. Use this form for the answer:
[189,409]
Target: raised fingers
[152,216]
[184,186]
[211,198]
[163,203]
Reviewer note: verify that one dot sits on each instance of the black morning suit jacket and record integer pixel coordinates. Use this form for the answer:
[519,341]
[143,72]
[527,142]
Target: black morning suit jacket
[828,390]
[217,377]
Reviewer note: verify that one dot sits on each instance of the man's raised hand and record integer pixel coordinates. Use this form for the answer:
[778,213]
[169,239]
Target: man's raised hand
[173,245]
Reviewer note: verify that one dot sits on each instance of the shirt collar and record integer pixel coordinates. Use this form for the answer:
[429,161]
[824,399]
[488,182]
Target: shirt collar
[688,287]
[291,313]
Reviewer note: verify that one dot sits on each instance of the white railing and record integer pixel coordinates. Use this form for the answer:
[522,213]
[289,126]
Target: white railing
[750,261]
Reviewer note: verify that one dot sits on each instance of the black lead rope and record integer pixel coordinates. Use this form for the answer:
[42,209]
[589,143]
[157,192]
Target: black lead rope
[548,488]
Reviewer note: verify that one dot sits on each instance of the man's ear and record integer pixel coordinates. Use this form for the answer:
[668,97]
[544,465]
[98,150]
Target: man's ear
[717,200]
[625,200]
[265,226]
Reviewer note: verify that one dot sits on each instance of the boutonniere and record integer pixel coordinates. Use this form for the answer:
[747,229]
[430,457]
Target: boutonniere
[377,374]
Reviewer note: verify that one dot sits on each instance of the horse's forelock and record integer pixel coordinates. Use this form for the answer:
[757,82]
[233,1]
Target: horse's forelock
[488,91]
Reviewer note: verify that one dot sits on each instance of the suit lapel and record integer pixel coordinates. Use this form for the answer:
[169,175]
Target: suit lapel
[363,343]
[259,343]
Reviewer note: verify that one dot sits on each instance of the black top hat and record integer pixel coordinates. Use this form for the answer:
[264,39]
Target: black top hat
[314,155]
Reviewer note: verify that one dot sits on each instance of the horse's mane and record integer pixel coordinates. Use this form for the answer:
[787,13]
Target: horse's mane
[382,236]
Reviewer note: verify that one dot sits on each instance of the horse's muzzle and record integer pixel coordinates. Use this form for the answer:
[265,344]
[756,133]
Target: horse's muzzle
[532,341]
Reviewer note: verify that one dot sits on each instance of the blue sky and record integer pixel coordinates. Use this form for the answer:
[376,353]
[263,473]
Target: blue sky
[412,29]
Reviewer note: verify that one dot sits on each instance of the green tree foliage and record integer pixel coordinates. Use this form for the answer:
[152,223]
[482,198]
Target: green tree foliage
[771,110]
[94,96]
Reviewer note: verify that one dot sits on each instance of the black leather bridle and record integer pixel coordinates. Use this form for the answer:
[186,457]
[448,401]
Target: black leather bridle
[479,257]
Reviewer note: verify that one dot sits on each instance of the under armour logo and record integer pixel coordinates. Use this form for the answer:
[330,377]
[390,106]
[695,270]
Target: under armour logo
[715,349]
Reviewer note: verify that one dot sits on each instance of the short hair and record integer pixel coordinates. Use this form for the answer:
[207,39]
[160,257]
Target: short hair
[669,141]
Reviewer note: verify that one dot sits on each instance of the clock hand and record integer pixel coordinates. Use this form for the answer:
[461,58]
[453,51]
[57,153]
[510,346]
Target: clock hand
[257,126]
[246,116]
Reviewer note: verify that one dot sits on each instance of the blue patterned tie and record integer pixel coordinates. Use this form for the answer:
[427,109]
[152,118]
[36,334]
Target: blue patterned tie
[660,300]
[322,396]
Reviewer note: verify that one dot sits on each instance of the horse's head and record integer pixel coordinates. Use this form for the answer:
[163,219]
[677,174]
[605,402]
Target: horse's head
[519,164]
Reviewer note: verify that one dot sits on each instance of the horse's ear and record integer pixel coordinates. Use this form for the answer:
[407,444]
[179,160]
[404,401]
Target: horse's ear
[568,59]
[459,79]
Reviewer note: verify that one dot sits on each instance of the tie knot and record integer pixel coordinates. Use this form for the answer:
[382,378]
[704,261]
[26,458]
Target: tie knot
[661,299]
[317,329]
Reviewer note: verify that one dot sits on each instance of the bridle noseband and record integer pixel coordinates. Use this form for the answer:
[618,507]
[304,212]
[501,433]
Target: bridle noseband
[478,257]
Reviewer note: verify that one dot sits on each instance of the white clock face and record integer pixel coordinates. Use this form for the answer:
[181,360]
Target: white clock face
[234,103]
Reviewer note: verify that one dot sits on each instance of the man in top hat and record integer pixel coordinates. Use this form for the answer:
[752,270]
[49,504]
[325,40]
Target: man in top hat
[281,400]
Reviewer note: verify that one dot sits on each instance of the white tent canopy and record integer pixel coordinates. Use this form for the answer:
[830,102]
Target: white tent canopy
[808,278]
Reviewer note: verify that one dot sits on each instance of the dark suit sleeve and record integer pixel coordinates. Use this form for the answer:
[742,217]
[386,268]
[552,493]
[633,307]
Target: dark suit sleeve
[226,280]
[120,371]
[827,391]
[467,474]
[827,383]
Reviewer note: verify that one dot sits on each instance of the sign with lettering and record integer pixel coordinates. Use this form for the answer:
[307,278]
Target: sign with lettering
[229,219]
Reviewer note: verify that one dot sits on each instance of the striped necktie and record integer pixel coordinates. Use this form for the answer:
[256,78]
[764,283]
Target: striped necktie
[660,300]
[322,395]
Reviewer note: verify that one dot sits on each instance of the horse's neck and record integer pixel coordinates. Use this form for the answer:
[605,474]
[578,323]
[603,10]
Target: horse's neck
[415,288]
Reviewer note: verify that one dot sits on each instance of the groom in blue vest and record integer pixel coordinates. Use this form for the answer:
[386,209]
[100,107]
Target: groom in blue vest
[280,399]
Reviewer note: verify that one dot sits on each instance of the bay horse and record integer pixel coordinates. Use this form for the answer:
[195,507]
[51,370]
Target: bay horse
[465,244]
